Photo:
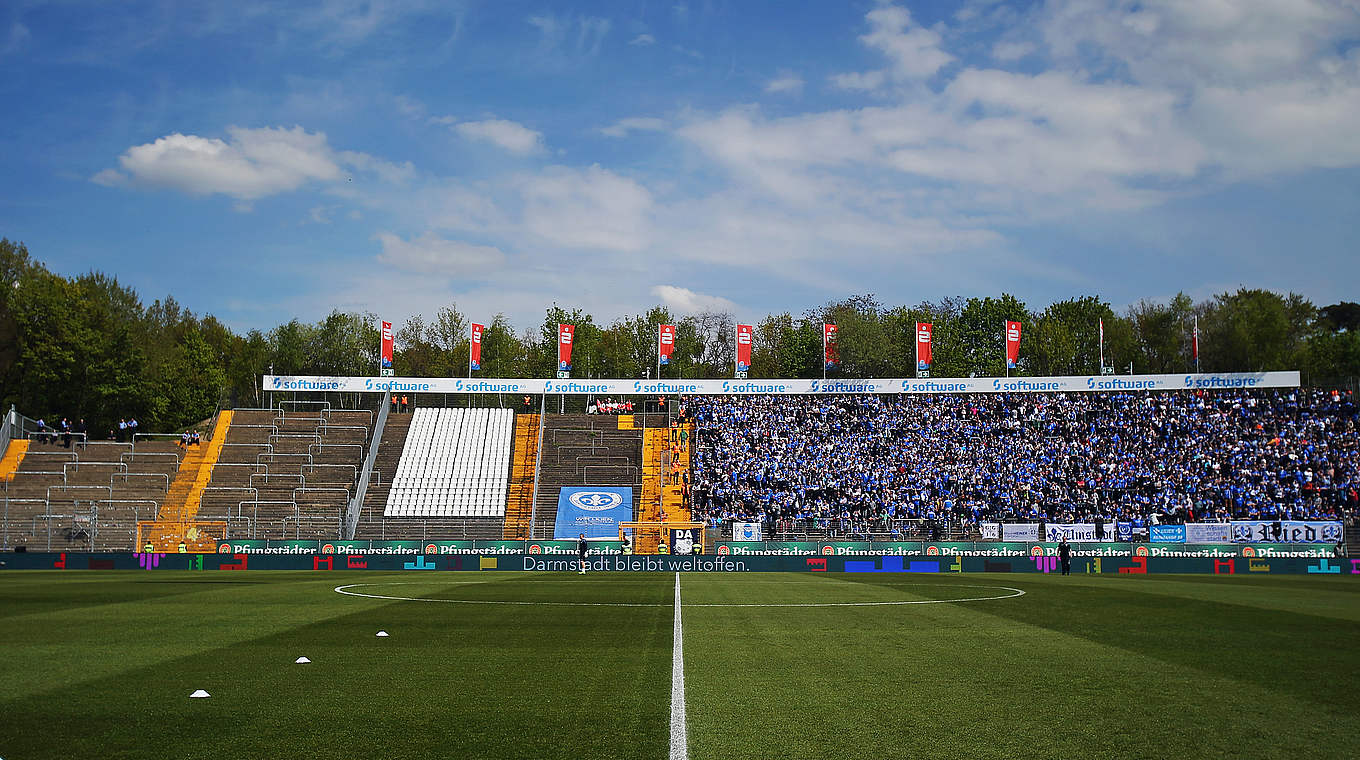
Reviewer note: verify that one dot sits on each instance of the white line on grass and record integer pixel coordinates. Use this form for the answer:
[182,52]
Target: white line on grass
[679,740]
[1015,592]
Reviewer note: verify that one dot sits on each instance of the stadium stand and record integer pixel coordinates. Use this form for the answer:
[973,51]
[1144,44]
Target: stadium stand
[455,464]
[849,465]
[580,449]
[287,473]
[88,497]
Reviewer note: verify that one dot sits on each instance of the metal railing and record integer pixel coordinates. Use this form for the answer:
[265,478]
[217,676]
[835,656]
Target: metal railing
[356,504]
[126,475]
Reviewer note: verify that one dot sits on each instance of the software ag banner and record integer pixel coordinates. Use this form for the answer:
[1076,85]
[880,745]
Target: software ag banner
[595,512]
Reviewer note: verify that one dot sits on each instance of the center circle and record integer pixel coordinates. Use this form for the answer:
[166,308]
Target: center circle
[346,590]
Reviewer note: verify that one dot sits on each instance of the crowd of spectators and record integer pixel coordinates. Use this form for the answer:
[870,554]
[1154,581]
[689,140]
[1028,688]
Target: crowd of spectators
[870,460]
[64,431]
[608,406]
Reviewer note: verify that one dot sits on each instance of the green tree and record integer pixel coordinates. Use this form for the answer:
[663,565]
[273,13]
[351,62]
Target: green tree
[980,338]
[1253,330]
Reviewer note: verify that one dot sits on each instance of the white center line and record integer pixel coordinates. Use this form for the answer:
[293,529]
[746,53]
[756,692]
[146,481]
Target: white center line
[679,740]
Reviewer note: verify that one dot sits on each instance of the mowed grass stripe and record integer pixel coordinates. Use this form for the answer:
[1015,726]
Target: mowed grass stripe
[452,680]
[971,680]
[57,648]
[1256,643]
[24,593]
[1304,595]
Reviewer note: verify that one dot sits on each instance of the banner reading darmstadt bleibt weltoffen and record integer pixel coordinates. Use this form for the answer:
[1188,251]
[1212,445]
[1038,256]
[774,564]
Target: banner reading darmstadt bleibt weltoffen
[1081,383]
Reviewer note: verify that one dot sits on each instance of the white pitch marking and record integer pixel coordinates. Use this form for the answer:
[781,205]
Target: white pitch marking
[679,739]
[1017,592]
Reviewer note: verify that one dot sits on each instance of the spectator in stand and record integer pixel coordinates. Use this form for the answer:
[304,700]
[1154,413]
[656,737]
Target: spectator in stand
[195,439]
[847,464]
[83,432]
[184,440]
[122,430]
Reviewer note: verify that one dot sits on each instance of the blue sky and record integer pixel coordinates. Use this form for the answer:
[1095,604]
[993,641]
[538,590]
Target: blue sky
[264,161]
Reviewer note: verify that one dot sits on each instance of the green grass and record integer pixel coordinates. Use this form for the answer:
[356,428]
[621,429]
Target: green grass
[100,664]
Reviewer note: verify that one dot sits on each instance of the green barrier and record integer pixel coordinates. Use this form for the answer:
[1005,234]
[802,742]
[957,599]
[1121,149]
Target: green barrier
[887,563]
[1016,549]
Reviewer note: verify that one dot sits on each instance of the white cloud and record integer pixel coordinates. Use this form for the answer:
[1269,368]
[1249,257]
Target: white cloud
[686,301]
[385,171]
[1012,51]
[785,82]
[555,33]
[914,53]
[509,135]
[253,163]
[855,80]
[587,208]
[622,127]
[913,50]
[429,254]
[250,164]
[642,39]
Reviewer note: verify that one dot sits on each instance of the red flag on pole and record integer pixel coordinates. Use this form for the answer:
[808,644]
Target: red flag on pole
[829,345]
[1012,344]
[744,347]
[665,343]
[565,333]
[923,335]
[386,349]
[1194,342]
[475,347]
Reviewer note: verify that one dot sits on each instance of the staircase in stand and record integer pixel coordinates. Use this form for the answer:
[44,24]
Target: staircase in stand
[664,462]
[14,456]
[519,505]
[177,522]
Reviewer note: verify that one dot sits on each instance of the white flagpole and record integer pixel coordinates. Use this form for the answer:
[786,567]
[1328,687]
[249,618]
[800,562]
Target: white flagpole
[1102,345]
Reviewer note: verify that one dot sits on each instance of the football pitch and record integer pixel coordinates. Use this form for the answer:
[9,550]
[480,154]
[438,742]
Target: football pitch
[796,665]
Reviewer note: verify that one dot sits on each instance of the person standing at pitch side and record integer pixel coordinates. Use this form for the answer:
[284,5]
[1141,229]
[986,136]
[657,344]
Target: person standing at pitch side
[581,553]
[1065,556]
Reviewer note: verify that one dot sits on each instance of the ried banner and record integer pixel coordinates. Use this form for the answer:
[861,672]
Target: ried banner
[1291,532]
[595,512]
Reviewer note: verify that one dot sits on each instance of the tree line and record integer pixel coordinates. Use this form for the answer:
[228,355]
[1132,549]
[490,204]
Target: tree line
[88,347]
